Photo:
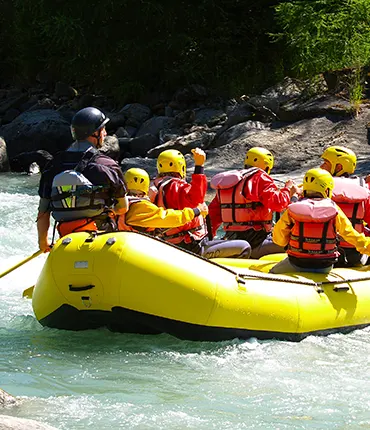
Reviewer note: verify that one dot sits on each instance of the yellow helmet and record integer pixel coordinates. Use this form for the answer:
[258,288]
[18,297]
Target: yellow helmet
[137,180]
[260,157]
[318,181]
[171,161]
[340,155]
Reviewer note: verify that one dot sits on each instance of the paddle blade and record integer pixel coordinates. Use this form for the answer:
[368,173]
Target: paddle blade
[28,293]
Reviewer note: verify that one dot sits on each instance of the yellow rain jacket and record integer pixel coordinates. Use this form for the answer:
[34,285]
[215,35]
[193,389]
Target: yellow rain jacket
[145,214]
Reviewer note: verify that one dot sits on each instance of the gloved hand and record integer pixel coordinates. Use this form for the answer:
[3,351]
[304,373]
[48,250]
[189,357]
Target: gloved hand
[296,190]
[203,209]
[289,183]
[199,156]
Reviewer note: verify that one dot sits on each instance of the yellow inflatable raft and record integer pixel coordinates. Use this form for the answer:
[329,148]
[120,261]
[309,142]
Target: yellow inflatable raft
[132,283]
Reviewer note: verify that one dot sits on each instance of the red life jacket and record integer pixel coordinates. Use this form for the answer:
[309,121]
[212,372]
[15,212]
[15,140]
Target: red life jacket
[237,212]
[193,230]
[121,219]
[314,232]
[351,194]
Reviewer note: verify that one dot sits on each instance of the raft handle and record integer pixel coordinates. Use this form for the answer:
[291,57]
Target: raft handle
[83,288]
[92,236]
[240,280]
[339,289]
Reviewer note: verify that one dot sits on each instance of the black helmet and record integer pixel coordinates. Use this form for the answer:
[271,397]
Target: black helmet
[86,122]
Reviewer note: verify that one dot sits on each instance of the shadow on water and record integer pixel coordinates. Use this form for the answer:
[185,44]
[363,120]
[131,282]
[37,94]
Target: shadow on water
[25,332]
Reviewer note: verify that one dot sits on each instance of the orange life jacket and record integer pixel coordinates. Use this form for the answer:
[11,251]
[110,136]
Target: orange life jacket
[351,194]
[121,219]
[193,230]
[84,224]
[237,212]
[314,232]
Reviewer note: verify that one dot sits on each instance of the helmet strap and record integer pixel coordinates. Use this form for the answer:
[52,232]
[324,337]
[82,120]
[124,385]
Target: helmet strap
[99,140]
[338,169]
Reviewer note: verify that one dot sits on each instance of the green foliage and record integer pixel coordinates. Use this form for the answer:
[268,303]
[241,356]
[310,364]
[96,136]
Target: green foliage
[130,47]
[325,35]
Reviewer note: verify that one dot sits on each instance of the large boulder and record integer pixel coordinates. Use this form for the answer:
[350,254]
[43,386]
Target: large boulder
[139,146]
[195,139]
[23,161]
[136,114]
[285,90]
[40,129]
[237,131]
[321,105]
[155,124]
[4,162]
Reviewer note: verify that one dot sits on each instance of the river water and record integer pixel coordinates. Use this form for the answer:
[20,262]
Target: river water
[103,380]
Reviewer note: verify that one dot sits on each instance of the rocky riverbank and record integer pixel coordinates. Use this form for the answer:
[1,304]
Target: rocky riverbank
[296,127]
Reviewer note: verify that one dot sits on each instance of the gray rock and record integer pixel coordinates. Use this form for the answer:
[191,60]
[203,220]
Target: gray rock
[297,147]
[136,114]
[116,121]
[296,110]
[208,116]
[6,399]
[124,144]
[237,131]
[45,103]
[155,124]
[264,108]
[4,162]
[139,146]
[13,423]
[33,130]
[184,144]
[185,117]
[148,164]
[131,130]
[169,134]
[24,161]
[237,113]
[121,132]
[286,90]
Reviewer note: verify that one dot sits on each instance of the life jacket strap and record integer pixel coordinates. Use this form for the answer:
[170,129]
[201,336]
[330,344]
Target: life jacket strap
[251,223]
[252,205]
[88,193]
[313,240]
[181,233]
[311,251]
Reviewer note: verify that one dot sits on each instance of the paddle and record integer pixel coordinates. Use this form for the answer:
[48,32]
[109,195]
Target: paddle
[28,292]
[36,254]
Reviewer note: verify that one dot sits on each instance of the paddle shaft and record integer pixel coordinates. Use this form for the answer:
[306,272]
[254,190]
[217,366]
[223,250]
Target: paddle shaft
[26,260]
